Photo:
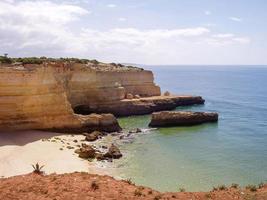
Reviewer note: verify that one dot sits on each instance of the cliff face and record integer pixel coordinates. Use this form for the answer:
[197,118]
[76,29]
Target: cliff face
[45,96]
[42,96]
[34,97]
[97,87]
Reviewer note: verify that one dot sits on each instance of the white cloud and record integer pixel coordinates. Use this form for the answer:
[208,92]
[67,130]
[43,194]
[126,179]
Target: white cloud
[112,5]
[236,19]
[227,39]
[122,19]
[9,1]
[209,24]
[224,35]
[207,12]
[36,28]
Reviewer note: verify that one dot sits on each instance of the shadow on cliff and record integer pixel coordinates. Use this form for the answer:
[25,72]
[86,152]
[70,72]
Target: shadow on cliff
[22,138]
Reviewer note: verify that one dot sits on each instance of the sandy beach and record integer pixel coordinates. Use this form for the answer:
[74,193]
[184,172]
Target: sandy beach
[19,150]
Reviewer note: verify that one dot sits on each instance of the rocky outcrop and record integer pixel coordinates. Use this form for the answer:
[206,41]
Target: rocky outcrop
[86,152]
[90,137]
[177,118]
[35,98]
[87,86]
[113,152]
[46,96]
[145,105]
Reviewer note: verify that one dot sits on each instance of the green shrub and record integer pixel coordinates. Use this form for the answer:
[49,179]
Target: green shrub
[137,193]
[5,60]
[261,185]
[234,185]
[94,185]
[95,62]
[37,169]
[222,187]
[252,188]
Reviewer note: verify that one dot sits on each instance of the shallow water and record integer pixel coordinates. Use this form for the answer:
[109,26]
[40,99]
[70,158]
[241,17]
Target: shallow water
[234,150]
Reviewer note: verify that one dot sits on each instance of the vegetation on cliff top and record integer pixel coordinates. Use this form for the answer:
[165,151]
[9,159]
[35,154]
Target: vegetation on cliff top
[40,60]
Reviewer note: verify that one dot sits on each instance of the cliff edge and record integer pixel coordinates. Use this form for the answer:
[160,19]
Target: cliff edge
[64,95]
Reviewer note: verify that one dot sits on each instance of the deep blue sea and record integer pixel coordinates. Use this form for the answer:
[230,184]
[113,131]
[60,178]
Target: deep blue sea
[234,150]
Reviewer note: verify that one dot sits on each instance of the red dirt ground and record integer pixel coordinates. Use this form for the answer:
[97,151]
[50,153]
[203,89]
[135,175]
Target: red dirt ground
[83,186]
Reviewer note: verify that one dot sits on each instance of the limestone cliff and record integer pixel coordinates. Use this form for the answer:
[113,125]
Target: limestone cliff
[34,97]
[95,87]
[45,95]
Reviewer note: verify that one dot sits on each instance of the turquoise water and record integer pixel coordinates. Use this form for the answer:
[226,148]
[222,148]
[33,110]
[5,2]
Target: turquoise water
[200,157]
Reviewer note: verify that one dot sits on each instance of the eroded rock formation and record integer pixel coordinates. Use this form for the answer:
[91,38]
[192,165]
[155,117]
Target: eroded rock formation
[46,96]
[178,118]
[34,97]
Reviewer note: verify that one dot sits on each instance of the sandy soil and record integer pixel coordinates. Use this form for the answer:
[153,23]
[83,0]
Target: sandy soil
[83,186]
[19,150]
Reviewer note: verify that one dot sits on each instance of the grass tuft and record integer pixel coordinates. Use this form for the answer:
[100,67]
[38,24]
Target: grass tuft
[129,181]
[158,197]
[222,187]
[234,185]
[94,185]
[252,188]
[137,193]
[261,185]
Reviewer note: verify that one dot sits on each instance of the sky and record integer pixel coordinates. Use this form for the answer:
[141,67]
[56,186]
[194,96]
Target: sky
[154,32]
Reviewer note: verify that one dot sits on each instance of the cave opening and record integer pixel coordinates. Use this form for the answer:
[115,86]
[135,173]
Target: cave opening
[82,110]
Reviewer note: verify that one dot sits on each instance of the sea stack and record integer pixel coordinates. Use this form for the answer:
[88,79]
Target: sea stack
[178,118]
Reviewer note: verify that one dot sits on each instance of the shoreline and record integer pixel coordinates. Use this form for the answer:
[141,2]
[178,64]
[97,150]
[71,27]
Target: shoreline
[21,149]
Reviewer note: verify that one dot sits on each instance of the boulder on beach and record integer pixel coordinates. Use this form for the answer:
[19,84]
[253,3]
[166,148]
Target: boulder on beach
[129,96]
[178,118]
[113,152]
[92,136]
[86,151]
[137,96]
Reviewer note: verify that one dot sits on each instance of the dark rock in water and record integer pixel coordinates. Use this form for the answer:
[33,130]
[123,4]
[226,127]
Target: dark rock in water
[176,118]
[113,152]
[115,134]
[86,151]
[137,130]
[93,136]
[100,157]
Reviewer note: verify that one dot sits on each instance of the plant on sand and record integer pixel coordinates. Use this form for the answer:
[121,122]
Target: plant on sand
[129,181]
[252,188]
[234,185]
[37,169]
[261,185]
[222,187]
[158,197]
[181,189]
[94,185]
[137,193]
[208,195]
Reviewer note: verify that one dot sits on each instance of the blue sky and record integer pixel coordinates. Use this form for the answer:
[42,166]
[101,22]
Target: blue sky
[137,31]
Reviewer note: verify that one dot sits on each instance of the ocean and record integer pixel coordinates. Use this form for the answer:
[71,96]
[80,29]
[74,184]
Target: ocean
[196,158]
